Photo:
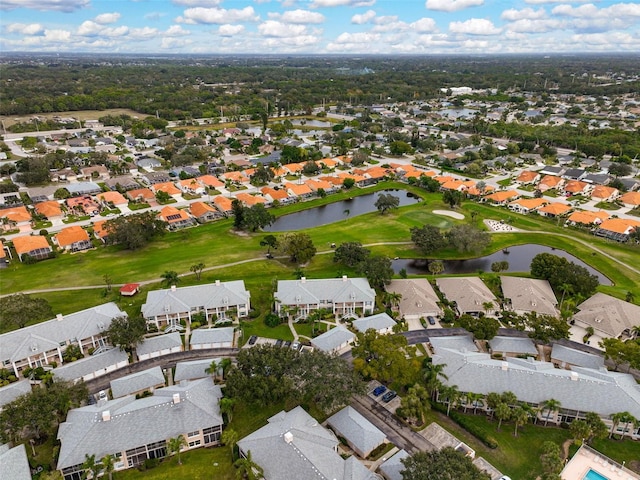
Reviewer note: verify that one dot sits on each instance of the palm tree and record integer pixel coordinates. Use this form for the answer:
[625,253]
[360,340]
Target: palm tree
[393,298]
[107,462]
[502,412]
[225,365]
[247,468]
[91,468]
[628,419]
[212,369]
[564,288]
[474,399]
[197,269]
[170,278]
[487,306]
[550,406]
[175,445]
[520,417]
[630,297]
[509,398]
[226,407]
[432,374]
[435,267]
[451,394]
[230,438]
[616,418]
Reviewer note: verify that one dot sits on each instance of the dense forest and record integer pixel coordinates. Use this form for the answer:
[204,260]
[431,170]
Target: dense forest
[178,88]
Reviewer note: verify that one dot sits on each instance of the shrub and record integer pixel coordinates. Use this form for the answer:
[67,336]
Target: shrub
[195,325]
[470,427]
[271,320]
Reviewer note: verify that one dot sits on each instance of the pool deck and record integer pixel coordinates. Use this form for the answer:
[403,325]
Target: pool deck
[587,459]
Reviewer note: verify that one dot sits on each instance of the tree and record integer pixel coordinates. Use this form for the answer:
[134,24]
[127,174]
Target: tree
[428,239]
[520,417]
[628,419]
[435,267]
[237,209]
[467,238]
[502,411]
[387,358]
[19,309]
[230,438]
[429,184]
[616,418]
[175,445]
[452,197]
[433,374]
[579,431]
[445,464]
[127,332]
[482,328]
[212,369]
[134,231]
[348,183]
[386,202]
[224,365]
[551,460]
[378,270]
[197,270]
[298,246]
[269,241]
[597,428]
[450,395]
[618,169]
[90,467]
[560,271]
[226,407]
[107,464]
[247,468]
[545,328]
[256,217]
[499,266]
[551,406]
[415,403]
[61,194]
[170,278]
[350,254]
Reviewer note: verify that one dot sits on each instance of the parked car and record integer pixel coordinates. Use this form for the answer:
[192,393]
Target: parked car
[279,342]
[286,344]
[390,395]
[295,345]
[253,339]
[379,390]
[431,320]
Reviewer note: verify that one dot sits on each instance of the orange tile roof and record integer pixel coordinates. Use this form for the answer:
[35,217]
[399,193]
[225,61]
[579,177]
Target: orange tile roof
[619,225]
[171,214]
[29,243]
[527,176]
[588,217]
[144,193]
[49,209]
[279,172]
[222,203]
[575,186]
[234,176]
[190,183]
[343,159]
[99,229]
[16,214]
[502,196]
[114,197]
[315,184]
[475,192]
[357,178]
[274,194]
[298,189]
[550,181]
[293,167]
[210,181]
[376,172]
[333,180]
[631,198]
[555,208]
[601,191]
[3,254]
[166,187]
[454,184]
[198,209]
[70,235]
[530,203]
[250,200]
[327,162]
[442,179]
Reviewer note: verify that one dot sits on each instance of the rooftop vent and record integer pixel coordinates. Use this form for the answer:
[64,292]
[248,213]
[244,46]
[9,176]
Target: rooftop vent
[344,278]
[176,398]
[288,437]
[504,366]
[217,283]
[303,279]
[59,317]
[574,376]
[106,416]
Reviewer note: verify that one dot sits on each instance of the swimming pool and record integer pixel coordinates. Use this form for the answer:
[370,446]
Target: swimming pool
[593,475]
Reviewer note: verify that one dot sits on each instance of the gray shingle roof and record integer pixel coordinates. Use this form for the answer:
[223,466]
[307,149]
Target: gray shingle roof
[137,382]
[10,392]
[469,293]
[134,422]
[529,295]
[608,315]
[576,357]
[454,342]
[358,431]
[516,345]
[378,322]
[293,445]
[337,290]
[159,342]
[192,370]
[48,335]
[582,389]
[13,463]
[211,335]
[333,339]
[85,366]
[184,299]
[393,466]
[418,296]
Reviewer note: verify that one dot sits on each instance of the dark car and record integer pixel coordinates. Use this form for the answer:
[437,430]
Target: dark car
[390,395]
[431,320]
[253,339]
[279,343]
[286,344]
[379,390]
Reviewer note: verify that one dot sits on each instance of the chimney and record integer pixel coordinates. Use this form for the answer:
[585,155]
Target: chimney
[217,283]
[303,279]
[173,288]
[288,437]
[106,416]
[504,365]
[344,278]
[176,398]
[59,317]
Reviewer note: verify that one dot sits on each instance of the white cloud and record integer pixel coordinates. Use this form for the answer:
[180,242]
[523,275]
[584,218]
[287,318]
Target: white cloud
[362,18]
[57,36]
[106,18]
[589,18]
[475,26]
[143,33]
[608,40]
[452,5]
[273,28]
[24,29]
[169,43]
[527,25]
[154,15]
[217,15]
[341,3]
[198,3]
[424,25]
[176,31]
[513,14]
[298,16]
[541,2]
[229,30]
[55,5]
[89,28]
[357,38]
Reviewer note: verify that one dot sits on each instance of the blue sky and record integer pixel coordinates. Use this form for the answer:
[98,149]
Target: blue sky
[319,26]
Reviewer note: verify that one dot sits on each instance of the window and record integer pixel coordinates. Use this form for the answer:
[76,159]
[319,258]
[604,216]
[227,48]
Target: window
[193,434]
[212,434]
[157,449]
[194,444]
[136,456]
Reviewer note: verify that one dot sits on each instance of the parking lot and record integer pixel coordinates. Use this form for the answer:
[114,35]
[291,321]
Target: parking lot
[391,405]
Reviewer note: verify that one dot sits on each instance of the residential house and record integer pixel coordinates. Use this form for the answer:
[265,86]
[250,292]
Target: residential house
[83,188]
[601,193]
[138,382]
[418,299]
[14,464]
[317,184]
[440,438]
[392,467]
[249,200]
[112,199]
[294,445]
[470,295]
[597,178]
[553,170]
[10,392]
[100,231]
[175,218]
[360,434]
[34,246]
[341,296]
[502,197]
[168,188]
[73,239]
[148,163]
[550,182]
[554,209]
[526,205]
[3,255]
[608,316]
[271,195]
[574,173]
[92,366]
[223,337]
[576,187]
[336,340]
[300,191]
[209,181]
[153,178]
[525,295]
[220,302]
[194,369]
[360,180]
[223,204]
[458,185]
[159,345]
[191,186]
[84,205]
[203,212]
[50,210]
[16,217]
[527,177]
[43,343]
[96,171]
[509,346]
[129,289]
[135,430]
[617,228]
[630,199]
[122,183]
[382,323]
[587,217]
[64,175]
[143,195]
[566,357]
[235,177]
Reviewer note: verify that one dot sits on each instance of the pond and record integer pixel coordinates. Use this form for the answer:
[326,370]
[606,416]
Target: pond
[519,258]
[312,123]
[455,113]
[337,211]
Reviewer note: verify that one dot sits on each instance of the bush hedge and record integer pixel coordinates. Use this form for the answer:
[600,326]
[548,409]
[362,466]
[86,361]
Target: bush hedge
[468,426]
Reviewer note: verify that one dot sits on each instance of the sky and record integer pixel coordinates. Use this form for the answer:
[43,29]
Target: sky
[319,26]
